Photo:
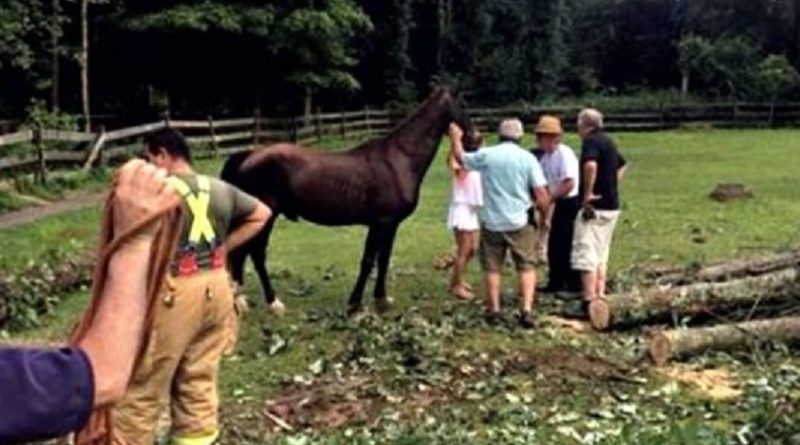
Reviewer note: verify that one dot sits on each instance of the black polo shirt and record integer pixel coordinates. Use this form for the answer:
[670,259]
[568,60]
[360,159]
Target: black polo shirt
[601,149]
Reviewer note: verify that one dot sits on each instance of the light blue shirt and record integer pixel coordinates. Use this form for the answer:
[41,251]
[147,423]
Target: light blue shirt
[508,174]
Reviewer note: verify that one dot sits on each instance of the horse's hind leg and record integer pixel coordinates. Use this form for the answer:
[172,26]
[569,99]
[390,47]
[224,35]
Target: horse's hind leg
[384,254]
[258,252]
[367,261]
[236,261]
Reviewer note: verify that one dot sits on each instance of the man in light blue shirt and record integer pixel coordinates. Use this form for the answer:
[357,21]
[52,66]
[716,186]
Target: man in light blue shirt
[511,177]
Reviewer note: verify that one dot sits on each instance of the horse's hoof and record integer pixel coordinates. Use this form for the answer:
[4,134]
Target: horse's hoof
[240,304]
[383,305]
[354,310]
[277,308]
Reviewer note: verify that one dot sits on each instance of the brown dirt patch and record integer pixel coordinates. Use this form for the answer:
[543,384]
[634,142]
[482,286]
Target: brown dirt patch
[331,404]
[568,363]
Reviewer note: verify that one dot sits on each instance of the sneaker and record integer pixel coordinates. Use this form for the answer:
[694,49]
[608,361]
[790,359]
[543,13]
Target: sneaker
[492,318]
[527,320]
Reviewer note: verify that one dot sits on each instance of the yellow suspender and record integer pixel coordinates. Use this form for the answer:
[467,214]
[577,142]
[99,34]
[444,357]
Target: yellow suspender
[198,206]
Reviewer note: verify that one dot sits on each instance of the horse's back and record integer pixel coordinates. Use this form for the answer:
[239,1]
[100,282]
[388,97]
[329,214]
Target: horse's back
[321,187]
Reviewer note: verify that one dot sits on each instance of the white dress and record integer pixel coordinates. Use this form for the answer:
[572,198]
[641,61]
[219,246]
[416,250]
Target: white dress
[466,198]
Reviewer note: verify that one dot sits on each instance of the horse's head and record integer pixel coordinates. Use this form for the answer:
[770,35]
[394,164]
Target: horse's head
[456,111]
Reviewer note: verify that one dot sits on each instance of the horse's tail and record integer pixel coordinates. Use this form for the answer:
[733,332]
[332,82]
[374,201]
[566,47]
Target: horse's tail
[230,170]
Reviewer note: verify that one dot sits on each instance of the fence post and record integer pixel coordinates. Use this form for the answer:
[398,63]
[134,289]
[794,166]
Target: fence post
[213,133]
[318,126]
[96,150]
[735,116]
[342,129]
[257,129]
[294,129]
[165,116]
[41,173]
[366,119]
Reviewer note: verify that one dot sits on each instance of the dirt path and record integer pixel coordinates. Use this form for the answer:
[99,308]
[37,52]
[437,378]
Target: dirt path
[31,214]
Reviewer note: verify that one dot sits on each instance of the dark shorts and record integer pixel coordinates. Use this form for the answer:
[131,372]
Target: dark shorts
[495,246]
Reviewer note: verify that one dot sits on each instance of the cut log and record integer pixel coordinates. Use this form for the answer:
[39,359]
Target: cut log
[659,304]
[727,270]
[681,343]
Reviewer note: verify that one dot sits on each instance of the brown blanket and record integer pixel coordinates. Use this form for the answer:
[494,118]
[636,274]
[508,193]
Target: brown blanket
[98,430]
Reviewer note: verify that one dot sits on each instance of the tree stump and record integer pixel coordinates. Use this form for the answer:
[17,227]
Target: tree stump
[731,192]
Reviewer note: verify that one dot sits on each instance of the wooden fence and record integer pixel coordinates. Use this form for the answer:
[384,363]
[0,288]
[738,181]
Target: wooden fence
[40,149]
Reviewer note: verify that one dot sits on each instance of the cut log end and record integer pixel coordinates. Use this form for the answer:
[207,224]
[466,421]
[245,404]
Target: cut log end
[660,349]
[599,314]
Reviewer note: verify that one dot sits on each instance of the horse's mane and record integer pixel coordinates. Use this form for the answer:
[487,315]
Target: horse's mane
[437,93]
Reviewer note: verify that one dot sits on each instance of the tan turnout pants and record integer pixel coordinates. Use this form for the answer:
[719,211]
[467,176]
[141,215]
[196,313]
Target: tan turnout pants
[192,327]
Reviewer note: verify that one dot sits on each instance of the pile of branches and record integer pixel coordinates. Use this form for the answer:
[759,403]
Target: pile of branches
[33,291]
[722,306]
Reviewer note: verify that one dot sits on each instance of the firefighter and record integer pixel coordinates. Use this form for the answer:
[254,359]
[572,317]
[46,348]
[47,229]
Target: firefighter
[193,322]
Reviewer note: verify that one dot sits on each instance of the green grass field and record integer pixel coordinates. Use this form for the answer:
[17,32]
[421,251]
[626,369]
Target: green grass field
[432,373]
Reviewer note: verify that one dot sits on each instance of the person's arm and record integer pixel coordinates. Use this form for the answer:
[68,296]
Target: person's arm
[589,156]
[249,214]
[252,224]
[623,167]
[542,198]
[456,143]
[50,392]
[589,178]
[570,172]
[113,339]
[538,183]
[564,188]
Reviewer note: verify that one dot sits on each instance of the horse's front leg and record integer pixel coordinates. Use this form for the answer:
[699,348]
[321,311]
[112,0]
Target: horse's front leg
[382,301]
[367,261]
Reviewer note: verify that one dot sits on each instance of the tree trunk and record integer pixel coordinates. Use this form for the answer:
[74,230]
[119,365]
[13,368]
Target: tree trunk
[308,102]
[55,69]
[685,77]
[727,270]
[640,306]
[84,64]
[681,343]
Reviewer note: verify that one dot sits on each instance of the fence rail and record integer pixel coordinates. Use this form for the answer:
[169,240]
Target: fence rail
[40,149]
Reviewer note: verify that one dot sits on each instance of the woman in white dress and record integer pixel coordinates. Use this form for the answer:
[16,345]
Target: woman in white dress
[465,200]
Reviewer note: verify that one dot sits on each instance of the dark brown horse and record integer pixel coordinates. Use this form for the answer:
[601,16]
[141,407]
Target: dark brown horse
[376,184]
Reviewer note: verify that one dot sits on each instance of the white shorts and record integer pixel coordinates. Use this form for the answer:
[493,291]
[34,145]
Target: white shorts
[463,217]
[591,244]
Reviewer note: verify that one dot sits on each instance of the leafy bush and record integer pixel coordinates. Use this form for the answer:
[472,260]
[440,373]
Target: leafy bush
[39,115]
[34,291]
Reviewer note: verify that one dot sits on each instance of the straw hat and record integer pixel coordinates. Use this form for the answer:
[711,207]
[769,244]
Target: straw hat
[549,125]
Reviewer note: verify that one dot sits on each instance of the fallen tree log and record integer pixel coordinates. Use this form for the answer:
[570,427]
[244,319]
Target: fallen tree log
[681,343]
[658,304]
[727,270]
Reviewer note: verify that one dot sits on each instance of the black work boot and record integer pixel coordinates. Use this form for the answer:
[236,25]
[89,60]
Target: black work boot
[493,318]
[527,320]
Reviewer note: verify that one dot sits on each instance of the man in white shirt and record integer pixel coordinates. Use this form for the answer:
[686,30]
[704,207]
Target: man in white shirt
[560,167]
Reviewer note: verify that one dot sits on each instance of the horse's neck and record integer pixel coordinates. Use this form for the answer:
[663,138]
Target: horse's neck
[419,138]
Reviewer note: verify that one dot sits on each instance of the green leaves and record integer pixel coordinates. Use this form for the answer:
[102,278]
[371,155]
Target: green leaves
[209,15]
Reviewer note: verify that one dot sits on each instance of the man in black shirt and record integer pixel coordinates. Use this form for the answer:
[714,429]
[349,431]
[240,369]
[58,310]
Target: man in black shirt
[602,167]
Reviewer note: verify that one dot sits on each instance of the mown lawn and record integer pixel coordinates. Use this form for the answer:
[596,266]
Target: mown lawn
[432,373]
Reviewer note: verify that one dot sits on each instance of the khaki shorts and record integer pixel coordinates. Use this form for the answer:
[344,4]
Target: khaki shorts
[591,245]
[495,245]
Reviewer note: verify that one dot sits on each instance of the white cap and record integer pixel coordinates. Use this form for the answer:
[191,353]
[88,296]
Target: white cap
[511,129]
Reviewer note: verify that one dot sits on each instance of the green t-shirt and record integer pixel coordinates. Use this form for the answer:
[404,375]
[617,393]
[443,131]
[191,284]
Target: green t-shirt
[211,213]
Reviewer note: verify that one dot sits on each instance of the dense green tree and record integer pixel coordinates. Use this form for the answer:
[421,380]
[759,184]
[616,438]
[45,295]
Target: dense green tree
[694,53]
[776,77]
[229,56]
